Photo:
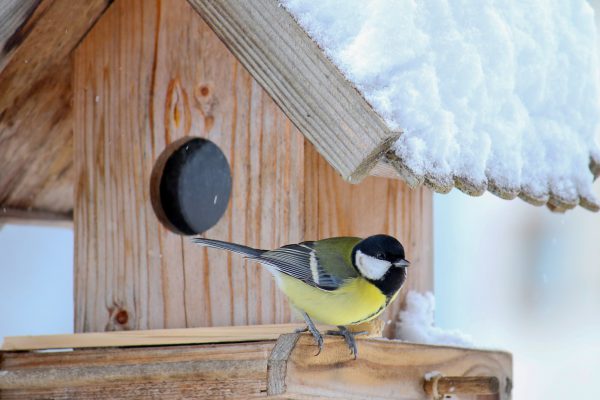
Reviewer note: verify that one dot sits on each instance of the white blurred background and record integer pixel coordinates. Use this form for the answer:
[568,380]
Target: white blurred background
[520,278]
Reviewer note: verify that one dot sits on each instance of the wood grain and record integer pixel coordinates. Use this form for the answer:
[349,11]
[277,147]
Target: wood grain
[457,385]
[286,368]
[194,372]
[311,91]
[150,337]
[13,15]
[149,73]
[34,217]
[385,369]
[35,106]
[377,205]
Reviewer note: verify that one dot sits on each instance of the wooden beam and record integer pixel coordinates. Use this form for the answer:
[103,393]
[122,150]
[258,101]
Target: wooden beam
[286,368]
[36,144]
[449,385]
[36,150]
[385,369]
[150,337]
[14,14]
[191,372]
[34,217]
[311,91]
[157,337]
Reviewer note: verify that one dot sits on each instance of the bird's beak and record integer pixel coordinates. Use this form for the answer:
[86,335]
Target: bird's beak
[402,263]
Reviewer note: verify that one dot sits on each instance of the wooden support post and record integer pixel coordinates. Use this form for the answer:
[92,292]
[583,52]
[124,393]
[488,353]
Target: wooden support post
[149,73]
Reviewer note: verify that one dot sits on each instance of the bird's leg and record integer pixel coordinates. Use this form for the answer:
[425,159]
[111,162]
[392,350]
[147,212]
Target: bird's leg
[349,337]
[310,327]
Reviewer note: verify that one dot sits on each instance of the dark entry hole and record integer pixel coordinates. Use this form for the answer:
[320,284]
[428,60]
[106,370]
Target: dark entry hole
[190,185]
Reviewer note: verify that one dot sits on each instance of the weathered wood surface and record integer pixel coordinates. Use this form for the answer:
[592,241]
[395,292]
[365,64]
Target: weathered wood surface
[37,38]
[385,369]
[312,92]
[191,372]
[377,205]
[33,217]
[148,75]
[156,337]
[480,385]
[283,369]
[151,337]
[13,15]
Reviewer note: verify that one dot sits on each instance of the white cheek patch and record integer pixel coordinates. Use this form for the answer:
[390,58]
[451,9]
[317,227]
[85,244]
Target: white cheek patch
[371,267]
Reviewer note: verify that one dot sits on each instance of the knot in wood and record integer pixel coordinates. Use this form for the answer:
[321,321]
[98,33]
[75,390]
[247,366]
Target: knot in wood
[122,317]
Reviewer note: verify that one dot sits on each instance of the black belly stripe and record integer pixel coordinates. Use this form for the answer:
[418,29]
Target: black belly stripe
[380,309]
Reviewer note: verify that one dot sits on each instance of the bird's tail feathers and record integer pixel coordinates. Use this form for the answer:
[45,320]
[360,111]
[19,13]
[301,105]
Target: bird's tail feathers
[233,247]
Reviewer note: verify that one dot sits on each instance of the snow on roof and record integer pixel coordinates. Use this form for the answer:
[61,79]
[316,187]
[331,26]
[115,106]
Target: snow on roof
[502,96]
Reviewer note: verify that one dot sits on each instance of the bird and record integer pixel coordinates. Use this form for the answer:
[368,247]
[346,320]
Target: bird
[339,281]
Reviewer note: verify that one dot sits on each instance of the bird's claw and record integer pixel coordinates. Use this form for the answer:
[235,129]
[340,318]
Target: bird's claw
[316,335]
[349,337]
[318,339]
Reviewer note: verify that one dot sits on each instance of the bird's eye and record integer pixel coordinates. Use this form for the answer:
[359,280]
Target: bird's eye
[380,256]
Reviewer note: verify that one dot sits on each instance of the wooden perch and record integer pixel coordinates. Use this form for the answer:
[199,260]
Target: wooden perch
[458,385]
[157,337]
[286,368]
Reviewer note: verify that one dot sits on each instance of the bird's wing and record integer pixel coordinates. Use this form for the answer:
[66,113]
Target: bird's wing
[324,264]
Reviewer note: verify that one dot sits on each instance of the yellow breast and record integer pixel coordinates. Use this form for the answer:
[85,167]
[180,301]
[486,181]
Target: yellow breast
[354,302]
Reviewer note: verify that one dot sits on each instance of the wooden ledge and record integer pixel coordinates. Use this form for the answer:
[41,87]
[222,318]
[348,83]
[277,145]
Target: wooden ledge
[161,337]
[282,368]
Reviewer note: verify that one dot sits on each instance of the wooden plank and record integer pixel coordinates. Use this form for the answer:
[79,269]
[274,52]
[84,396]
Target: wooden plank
[376,205]
[385,369]
[286,368]
[34,217]
[36,144]
[312,92]
[192,372]
[35,107]
[13,15]
[151,337]
[149,73]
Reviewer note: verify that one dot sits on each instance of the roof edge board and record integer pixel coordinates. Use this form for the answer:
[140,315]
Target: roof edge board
[304,83]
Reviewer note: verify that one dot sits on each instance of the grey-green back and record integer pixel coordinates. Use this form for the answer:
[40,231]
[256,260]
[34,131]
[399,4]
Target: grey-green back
[324,264]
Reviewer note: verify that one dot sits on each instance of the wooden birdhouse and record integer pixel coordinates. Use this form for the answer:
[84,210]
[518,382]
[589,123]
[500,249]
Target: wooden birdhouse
[141,122]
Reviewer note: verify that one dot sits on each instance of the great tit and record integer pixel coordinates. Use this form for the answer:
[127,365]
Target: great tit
[337,281]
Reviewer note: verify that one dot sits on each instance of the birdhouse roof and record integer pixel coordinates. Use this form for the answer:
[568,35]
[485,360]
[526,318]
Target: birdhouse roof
[479,98]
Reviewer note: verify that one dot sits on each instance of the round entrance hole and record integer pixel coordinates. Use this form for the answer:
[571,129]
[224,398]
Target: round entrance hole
[190,185]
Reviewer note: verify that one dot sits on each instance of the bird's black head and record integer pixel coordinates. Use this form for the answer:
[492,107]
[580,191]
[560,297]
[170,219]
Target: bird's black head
[381,260]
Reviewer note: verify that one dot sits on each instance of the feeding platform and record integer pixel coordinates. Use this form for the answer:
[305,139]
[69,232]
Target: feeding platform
[243,362]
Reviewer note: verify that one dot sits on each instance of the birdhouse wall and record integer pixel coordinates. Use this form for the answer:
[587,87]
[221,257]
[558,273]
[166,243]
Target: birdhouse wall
[149,73]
